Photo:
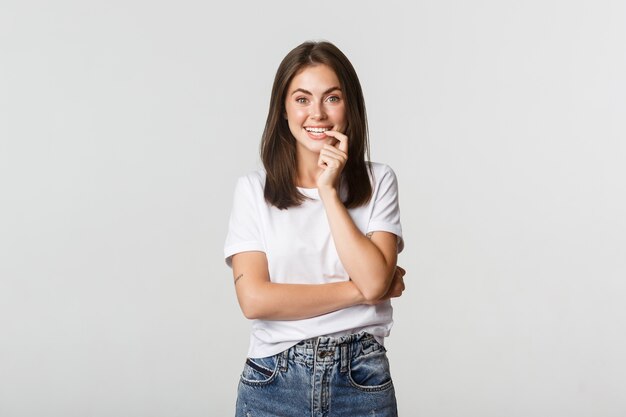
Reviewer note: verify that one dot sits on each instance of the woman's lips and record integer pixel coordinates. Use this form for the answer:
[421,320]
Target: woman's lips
[316,136]
[316,133]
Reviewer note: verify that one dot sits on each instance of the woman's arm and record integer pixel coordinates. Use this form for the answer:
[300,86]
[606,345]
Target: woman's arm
[370,261]
[261,299]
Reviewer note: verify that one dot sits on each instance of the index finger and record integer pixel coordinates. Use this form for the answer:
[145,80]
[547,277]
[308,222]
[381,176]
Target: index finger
[343,139]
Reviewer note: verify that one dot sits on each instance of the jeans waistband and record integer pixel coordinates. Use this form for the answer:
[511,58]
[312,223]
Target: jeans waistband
[332,349]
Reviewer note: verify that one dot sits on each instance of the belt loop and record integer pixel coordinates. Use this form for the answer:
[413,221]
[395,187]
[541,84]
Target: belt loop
[284,358]
[344,357]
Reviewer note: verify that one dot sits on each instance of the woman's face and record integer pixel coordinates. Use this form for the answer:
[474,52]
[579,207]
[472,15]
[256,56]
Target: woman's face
[314,103]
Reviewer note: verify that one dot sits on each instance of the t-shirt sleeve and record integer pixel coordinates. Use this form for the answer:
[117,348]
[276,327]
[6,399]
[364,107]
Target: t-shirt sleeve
[386,211]
[244,231]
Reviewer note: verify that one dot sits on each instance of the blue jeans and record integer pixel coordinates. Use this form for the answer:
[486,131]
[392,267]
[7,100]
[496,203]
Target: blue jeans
[320,377]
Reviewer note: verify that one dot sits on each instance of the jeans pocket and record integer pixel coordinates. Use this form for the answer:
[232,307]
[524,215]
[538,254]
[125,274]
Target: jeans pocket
[370,372]
[259,371]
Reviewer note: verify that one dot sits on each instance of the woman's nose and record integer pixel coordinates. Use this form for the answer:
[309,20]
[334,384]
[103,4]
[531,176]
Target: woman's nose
[317,111]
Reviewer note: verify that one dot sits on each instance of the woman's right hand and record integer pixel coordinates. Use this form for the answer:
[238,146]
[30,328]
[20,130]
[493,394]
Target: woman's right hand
[395,289]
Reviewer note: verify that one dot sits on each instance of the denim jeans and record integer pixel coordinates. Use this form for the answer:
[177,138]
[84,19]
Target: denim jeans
[344,376]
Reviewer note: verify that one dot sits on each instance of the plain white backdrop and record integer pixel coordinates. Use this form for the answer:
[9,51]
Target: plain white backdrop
[124,125]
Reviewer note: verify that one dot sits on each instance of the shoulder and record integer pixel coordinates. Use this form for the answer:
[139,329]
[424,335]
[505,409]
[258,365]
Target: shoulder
[250,186]
[382,172]
[252,180]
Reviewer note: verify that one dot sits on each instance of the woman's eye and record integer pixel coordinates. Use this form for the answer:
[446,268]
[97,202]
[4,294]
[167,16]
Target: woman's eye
[333,99]
[301,100]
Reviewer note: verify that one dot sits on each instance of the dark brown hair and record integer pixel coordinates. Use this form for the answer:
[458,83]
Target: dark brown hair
[278,146]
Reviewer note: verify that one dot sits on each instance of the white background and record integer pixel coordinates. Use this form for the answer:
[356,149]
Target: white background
[124,125]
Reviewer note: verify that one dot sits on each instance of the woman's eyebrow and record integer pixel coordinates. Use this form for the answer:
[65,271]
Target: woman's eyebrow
[302,90]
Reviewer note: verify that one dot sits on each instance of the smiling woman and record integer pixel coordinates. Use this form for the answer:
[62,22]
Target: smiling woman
[313,242]
[315,113]
[308,63]
[310,102]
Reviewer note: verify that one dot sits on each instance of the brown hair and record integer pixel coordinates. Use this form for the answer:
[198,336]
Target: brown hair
[278,146]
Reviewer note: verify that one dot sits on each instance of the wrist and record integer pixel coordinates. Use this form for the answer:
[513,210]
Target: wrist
[327,192]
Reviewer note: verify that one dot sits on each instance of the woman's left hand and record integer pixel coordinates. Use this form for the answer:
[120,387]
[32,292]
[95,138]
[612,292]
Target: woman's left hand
[332,158]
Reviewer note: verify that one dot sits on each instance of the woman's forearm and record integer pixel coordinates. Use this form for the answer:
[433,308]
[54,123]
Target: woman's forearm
[259,298]
[272,301]
[363,260]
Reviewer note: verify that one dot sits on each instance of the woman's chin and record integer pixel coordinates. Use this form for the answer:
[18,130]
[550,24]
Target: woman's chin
[311,146]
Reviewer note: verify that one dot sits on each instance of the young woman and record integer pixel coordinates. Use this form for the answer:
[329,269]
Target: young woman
[313,241]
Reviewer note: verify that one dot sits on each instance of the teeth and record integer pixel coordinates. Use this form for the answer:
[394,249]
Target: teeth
[316,129]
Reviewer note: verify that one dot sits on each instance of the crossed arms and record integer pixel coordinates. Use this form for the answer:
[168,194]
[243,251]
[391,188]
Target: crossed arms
[369,260]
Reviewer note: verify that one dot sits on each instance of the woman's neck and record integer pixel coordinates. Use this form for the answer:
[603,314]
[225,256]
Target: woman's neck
[308,170]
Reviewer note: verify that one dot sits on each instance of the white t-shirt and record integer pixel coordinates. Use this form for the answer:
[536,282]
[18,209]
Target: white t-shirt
[300,250]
